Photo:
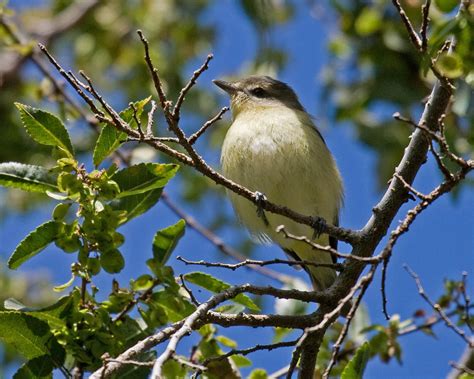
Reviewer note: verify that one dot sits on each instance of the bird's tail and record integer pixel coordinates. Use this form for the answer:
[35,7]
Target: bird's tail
[321,277]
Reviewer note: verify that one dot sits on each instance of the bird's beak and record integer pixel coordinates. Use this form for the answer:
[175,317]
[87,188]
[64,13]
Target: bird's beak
[229,87]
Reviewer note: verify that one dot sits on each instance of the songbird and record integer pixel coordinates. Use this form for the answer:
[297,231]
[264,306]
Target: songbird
[274,149]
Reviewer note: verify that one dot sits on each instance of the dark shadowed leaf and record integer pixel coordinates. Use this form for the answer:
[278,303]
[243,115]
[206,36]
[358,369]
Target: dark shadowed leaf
[30,336]
[27,177]
[33,243]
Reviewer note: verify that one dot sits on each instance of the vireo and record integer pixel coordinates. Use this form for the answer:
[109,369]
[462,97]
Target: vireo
[273,147]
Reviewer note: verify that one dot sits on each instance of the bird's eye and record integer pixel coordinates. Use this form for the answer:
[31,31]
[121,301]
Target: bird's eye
[258,92]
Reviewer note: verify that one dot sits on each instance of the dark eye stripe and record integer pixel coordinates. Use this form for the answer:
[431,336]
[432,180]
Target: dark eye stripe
[258,92]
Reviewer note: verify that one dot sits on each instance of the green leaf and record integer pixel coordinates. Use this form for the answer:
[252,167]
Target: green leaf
[447,6]
[258,373]
[175,306]
[241,361]
[55,315]
[38,368]
[227,341]
[30,337]
[27,177]
[109,140]
[368,22]
[143,177]
[450,65]
[356,366]
[127,113]
[215,285]
[33,243]
[173,370]
[112,261]
[137,204]
[64,286]
[45,128]
[142,283]
[166,239]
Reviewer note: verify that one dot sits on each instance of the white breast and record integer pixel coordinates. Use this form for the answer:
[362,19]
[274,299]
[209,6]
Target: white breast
[279,153]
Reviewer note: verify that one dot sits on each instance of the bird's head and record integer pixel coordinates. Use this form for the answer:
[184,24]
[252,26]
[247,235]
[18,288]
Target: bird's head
[256,92]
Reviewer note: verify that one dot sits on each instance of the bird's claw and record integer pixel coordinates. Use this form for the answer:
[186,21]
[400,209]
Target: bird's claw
[260,198]
[319,225]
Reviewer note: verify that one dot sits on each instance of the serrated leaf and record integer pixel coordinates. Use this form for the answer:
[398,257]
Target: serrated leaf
[27,177]
[45,128]
[356,366]
[166,239]
[109,140]
[216,285]
[137,204]
[33,243]
[30,336]
[143,177]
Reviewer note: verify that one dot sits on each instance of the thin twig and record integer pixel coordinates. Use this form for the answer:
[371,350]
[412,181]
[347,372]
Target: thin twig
[154,74]
[182,94]
[328,249]
[185,362]
[190,293]
[137,121]
[462,368]
[193,138]
[253,349]
[438,308]
[345,329]
[425,20]
[383,282]
[247,262]
[406,21]
[192,223]
[467,301]
[151,114]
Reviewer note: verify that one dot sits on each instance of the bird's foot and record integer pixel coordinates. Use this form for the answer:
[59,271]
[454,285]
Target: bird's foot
[319,225]
[260,198]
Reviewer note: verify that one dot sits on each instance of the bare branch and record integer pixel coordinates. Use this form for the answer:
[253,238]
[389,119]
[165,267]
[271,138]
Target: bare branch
[342,335]
[438,308]
[425,20]
[467,301]
[253,349]
[151,114]
[193,138]
[196,74]
[154,74]
[406,21]
[328,249]
[248,262]
[219,243]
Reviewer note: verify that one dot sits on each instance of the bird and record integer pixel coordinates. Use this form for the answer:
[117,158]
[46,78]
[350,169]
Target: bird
[274,149]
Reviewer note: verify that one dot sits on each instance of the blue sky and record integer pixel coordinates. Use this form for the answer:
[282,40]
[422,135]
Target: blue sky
[439,245]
